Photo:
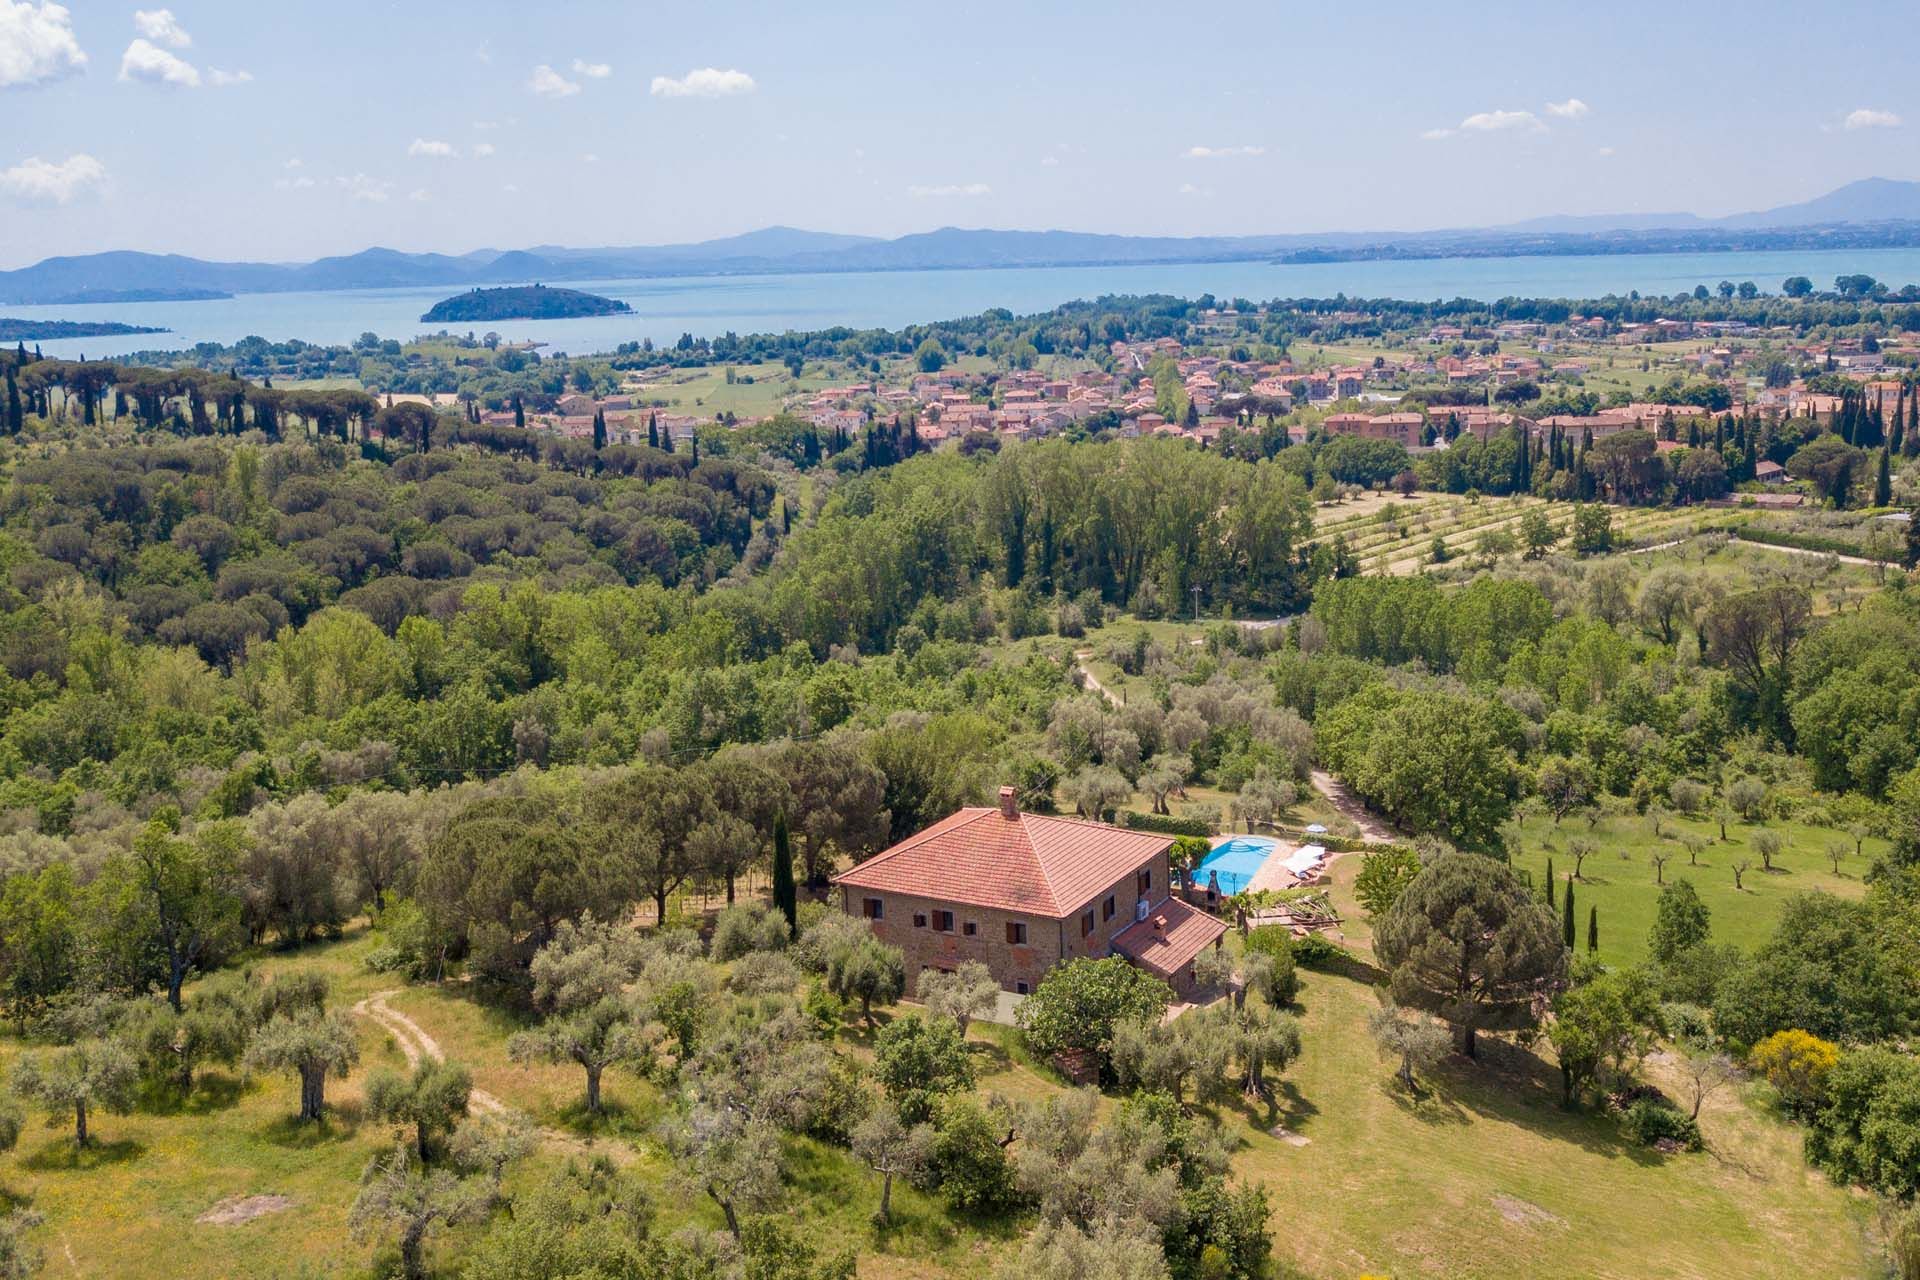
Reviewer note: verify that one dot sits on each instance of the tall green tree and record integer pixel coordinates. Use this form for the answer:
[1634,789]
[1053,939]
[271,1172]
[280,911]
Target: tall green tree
[785,894]
[1467,943]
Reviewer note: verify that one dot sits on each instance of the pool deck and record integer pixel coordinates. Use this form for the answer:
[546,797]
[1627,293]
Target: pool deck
[1273,873]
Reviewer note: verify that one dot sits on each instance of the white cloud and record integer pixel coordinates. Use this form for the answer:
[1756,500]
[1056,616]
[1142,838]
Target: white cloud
[419,195]
[1871,118]
[511,188]
[949,189]
[1188,189]
[705,82]
[294,162]
[1434,135]
[1498,121]
[1223,153]
[1606,152]
[483,149]
[227,79]
[44,182]
[1049,161]
[431,147]
[590,158]
[36,43]
[160,26]
[1571,109]
[549,83]
[361,187]
[592,70]
[301,183]
[150,63]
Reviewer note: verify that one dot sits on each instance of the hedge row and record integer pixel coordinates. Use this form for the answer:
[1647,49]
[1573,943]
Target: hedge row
[1163,824]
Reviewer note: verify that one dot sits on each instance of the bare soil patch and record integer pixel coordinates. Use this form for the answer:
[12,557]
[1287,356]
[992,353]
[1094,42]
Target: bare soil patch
[235,1210]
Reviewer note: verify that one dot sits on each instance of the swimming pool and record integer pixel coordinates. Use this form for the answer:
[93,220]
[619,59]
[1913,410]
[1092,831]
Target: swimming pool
[1235,861]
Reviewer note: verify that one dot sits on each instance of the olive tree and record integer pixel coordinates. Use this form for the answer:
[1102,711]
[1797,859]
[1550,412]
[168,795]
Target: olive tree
[581,980]
[1417,1041]
[78,1080]
[967,993]
[398,1197]
[891,1149]
[731,1159]
[310,1044]
[431,1100]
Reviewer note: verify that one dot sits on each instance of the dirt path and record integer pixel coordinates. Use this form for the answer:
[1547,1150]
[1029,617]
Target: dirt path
[415,1044]
[1803,551]
[1371,828]
[1092,681]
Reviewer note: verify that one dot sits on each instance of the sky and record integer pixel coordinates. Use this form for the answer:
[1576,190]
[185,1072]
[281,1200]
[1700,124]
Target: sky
[289,129]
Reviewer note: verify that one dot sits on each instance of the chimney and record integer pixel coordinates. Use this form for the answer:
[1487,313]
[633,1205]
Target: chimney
[1009,807]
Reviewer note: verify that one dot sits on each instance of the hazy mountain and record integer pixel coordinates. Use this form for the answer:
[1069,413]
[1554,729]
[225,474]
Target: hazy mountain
[1868,200]
[1872,202]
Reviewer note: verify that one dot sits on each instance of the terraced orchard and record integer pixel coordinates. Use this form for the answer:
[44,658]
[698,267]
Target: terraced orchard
[1397,536]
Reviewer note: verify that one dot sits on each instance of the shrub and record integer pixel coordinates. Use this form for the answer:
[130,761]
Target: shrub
[1796,1064]
[1078,1005]
[1650,1121]
[1315,952]
[747,927]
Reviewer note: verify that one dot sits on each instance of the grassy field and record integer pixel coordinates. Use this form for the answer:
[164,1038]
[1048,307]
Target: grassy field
[1619,875]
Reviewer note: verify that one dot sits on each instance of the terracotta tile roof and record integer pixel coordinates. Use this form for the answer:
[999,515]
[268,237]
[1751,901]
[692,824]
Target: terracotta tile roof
[1167,951]
[1031,863]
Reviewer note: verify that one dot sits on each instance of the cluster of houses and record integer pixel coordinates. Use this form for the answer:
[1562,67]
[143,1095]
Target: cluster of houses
[1020,404]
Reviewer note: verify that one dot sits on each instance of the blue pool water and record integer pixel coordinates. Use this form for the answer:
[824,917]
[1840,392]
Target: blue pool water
[1235,861]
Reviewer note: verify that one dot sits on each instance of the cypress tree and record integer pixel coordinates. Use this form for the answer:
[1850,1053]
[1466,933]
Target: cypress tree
[653,431]
[1883,482]
[696,449]
[599,430]
[784,896]
[16,420]
[1550,901]
[519,413]
[1593,930]
[1566,918]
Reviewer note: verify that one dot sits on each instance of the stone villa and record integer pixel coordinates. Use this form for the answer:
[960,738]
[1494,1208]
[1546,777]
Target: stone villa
[1022,892]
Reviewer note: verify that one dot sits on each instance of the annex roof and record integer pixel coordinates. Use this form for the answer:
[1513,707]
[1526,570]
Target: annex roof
[1169,939]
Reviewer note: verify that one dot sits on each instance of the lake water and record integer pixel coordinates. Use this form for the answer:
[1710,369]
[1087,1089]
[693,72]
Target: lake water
[706,306]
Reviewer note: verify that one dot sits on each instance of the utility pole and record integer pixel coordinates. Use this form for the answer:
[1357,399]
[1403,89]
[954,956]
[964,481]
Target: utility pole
[1195,588]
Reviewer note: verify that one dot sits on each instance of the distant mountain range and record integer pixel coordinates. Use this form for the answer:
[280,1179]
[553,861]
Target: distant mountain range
[1874,211]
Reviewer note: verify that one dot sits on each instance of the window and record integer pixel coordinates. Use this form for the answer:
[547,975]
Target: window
[943,921]
[919,919]
[1017,933]
[1143,882]
[1020,988]
[970,928]
[873,909]
[1086,924]
[1106,908]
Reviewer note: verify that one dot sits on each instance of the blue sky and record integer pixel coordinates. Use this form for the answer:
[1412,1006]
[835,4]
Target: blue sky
[284,129]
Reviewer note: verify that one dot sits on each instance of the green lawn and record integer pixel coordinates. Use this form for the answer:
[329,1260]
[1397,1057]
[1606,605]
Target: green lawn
[1619,875]
[1486,1176]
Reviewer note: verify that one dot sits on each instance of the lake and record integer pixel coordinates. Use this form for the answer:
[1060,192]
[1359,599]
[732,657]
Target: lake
[706,306]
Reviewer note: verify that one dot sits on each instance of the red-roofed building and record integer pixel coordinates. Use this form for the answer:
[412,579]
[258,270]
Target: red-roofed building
[1021,892]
